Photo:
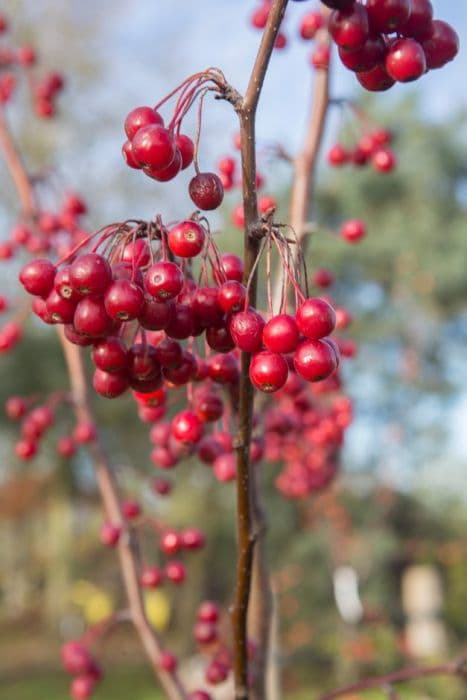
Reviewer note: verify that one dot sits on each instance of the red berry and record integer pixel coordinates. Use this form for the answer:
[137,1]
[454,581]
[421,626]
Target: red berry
[162,487]
[151,577]
[82,687]
[66,447]
[206,191]
[187,427]
[260,15]
[208,612]
[37,277]
[131,509]
[175,572]
[26,449]
[139,117]
[320,57]
[268,371]
[155,315]
[76,659]
[63,286]
[315,360]
[110,355]
[227,166]
[109,384]
[208,406]
[170,542]
[323,278]
[281,41]
[167,173]
[129,156]
[137,252]
[353,230]
[193,539]
[225,467]
[280,334]
[205,632]
[349,28]
[405,60]
[153,147]
[110,534]
[246,328]
[91,318]
[15,407]
[231,296]
[60,310]
[164,280]
[168,661]
[186,147]
[442,46]
[315,318]
[143,363]
[123,300]
[310,24]
[383,160]
[337,155]
[419,25]
[387,16]
[223,369]
[232,266]
[366,57]
[90,274]
[186,239]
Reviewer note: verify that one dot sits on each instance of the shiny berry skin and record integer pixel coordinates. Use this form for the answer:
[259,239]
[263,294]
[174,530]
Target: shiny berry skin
[155,315]
[232,266]
[405,60]
[151,577]
[193,539]
[90,274]
[175,572]
[186,239]
[167,173]
[168,662]
[353,230]
[170,354]
[129,156]
[280,334]
[59,309]
[208,406]
[387,16]
[223,369]
[268,371]
[164,280]
[383,160]
[123,300]
[181,324]
[137,252]
[109,384]
[153,147]
[63,286]
[170,542]
[187,427]
[231,296]
[206,191]
[314,360]
[366,57]
[143,363]
[110,355]
[186,147]
[91,318]
[139,117]
[315,318]
[310,24]
[246,329]
[376,80]
[442,46]
[131,509]
[110,534]
[349,28]
[337,155]
[419,25]
[37,277]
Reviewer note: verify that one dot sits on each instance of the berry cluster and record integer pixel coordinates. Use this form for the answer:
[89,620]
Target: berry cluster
[161,152]
[78,661]
[389,41]
[44,90]
[373,148]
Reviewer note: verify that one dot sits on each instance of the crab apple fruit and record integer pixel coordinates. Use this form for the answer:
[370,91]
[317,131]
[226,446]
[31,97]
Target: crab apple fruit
[110,354]
[37,277]
[155,315]
[205,632]
[182,323]
[15,407]
[187,427]
[376,80]
[231,296]
[320,57]
[66,446]
[186,147]
[110,534]
[219,339]
[442,46]
[323,278]
[139,117]
[129,156]
[311,23]
[349,28]
[186,239]
[280,334]
[170,542]
[199,695]
[232,266]
[206,191]
[216,673]
[90,274]
[314,360]
[175,572]
[388,16]
[110,384]
[419,24]
[193,539]
[76,659]
[225,467]
[353,230]
[91,318]
[123,300]
[151,577]
[26,449]
[366,57]
[168,661]
[208,612]
[383,160]
[60,310]
[161,487]
[63,286]
[137,252]
[246,328]
[167,173]
[337,155]
[238,216]
[226,166]
[127,271]
[405,60]
[208,406]
[153,147]
[260,15]
[268,371]
[164,280]
[82,687]
[224,369]
[315,318]
[131,509]
[170,354]
[281,41]
[184,370]
[143,363]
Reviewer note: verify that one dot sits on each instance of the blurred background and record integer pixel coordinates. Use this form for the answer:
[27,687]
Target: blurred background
[399,507]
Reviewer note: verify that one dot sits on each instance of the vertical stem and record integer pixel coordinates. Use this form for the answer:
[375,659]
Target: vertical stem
[245,483]
[16,168]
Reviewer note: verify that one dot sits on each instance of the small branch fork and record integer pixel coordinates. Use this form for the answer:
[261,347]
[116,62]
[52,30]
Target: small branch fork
[387,683]
[108,489]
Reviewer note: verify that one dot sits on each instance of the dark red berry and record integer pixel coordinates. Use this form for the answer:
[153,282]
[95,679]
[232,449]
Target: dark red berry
[164,280]
[153,147]
[376,80]
[186,147]
[110,355]
[387,16]
[206,191]
[349,28]
[109,384]
[187,427]
[419,25]
[353,230]
[442,46]
[90,274]
[405,60]
[123,300]
[246,329]
[268,371]
[315,318]
[315,360]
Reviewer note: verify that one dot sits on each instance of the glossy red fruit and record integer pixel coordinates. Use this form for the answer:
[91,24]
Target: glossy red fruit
[376,80]
[164,280]
[320,57]
[60,310]
[388,16]
[109,384]
[208,612]
[37,277]
[337,155]
[323,278]
[131,509]
[82,687]
[91,318]
[200,695]
[110,355]
[123,300]
[314,360]
[137,252]
[182,323]
[76,658]
[366,57]
[206,191]
[186,239]
[315,318]
[15,407]
[338,4]
[442,46]
[129,156]
[193,539]
[225,467]
[231,296]
[246,329]
[139,117]
[232,266]
[168,661]
[311,23]
[280,334]
[226,166]
[151,577]
[110,534]
[187,427]
[63,286]
[419,25]
[155,315]
[84,432]
[186,147]
[175,572]
[26,449]
[353,230]
[90,274]
[383,160]
[161,487]
[170,354]
[405,60]
[167,173]
[153,147]
[349,28]
[268,371]
[143,363]
[170,542]
[224,369]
